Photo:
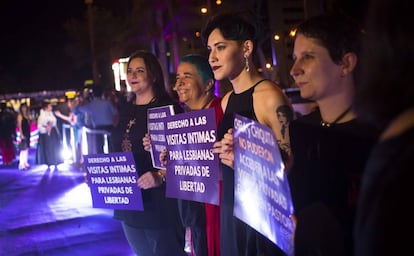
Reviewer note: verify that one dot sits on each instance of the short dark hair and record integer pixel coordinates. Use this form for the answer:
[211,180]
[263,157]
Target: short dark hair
[238,25]
[338,33]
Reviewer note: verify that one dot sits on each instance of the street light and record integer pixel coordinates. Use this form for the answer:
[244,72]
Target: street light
[95,73]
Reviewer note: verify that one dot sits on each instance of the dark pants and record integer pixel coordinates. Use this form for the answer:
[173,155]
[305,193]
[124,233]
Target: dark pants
[154,242]
[193,215]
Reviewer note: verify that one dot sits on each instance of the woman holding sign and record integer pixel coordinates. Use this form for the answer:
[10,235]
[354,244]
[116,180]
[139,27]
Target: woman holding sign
[232,40]
[157,230]
[195,89]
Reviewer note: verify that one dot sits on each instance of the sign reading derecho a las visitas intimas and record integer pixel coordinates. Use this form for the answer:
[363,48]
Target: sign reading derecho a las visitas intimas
[192,168]
[156,131]
[262,193]
[112,179]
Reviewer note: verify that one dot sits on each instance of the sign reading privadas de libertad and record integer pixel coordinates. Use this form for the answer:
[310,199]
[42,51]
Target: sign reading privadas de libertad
[112,179]
[192,167]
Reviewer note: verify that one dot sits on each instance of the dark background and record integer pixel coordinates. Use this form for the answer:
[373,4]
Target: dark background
[37,52]
[32,46]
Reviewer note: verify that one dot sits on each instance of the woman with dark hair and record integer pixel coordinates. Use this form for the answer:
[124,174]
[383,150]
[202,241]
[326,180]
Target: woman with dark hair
[232,39]
[156,231]
[330,145]
[385,96]
[23,124]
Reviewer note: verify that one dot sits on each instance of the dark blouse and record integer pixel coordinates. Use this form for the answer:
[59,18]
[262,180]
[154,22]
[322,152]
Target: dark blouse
[26,128]
[159,211]
[325,178]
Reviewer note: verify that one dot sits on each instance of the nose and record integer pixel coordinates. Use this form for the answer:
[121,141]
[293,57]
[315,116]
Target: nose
[295,70]
[179,81]
[212,57]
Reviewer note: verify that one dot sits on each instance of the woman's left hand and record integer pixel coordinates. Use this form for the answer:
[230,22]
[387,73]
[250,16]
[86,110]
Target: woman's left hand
[146,142]
[148,180]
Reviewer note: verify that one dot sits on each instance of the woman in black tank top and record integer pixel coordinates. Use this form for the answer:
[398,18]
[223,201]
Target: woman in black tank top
[231,39]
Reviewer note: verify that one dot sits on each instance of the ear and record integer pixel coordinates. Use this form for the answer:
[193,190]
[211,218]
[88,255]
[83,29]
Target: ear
[247,48]
[349,61]
[209,85]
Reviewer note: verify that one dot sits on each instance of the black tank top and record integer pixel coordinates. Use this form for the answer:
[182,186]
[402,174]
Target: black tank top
[241,104]
[26,127]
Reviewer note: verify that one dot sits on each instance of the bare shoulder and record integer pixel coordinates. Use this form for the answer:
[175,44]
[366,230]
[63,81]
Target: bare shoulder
[269,94]
[225,100]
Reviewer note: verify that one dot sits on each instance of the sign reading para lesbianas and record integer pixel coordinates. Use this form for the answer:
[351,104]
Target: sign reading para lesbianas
[262,197]
[112,179]
[192,168]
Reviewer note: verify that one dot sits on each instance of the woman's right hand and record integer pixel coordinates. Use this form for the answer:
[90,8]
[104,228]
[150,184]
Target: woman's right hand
[146,142]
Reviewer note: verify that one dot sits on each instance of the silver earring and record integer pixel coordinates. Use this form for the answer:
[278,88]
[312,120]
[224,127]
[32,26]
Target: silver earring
[247,64]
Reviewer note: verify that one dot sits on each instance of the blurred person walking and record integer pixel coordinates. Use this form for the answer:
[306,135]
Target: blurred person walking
[64,114]
[156,231]
[8,125]
[385,97]
[23,125]
[103,116]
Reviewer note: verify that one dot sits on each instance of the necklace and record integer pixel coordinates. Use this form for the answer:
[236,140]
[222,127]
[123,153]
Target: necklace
[151,101]
[326,124]
[126,142]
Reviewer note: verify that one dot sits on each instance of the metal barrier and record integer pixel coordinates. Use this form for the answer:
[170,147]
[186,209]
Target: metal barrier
[90,149]
[88,142]
[69,145]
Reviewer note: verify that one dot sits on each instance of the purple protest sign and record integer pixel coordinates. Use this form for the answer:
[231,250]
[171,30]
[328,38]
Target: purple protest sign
[262,193]
[192,168]
[112,179]
[156,131]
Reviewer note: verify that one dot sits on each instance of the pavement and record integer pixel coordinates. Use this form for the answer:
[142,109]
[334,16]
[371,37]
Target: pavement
[48,211]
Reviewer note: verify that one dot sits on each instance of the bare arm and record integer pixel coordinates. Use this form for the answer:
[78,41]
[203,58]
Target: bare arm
[19,125]
[267,98]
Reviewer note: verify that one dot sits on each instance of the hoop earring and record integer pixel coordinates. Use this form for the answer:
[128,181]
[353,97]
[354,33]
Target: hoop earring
[246,67]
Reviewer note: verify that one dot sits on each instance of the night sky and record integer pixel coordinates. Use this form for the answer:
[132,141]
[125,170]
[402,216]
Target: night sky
[32,40]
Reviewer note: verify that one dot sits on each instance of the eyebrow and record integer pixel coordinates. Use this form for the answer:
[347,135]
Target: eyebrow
[185,73]
[221,42]
[215,44]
